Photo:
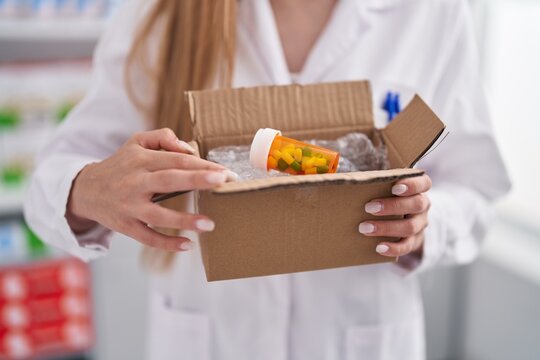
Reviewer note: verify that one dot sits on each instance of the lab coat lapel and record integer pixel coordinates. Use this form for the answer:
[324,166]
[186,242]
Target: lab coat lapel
[348,20]
[258,24]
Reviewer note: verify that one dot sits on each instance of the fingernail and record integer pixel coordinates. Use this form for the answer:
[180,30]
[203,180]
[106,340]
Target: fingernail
[216,177]
[231,175]
[186,147]
[373,207]
[187,245]
[366,228]
[205,225]
[381,248]
[399,189]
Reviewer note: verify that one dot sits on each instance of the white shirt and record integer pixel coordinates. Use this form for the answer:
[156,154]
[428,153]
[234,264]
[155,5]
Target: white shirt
[371,312]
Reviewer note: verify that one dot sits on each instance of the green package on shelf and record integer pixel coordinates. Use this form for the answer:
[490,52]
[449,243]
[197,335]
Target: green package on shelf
[9,118]
[64,110]
[13,175]
[36,247]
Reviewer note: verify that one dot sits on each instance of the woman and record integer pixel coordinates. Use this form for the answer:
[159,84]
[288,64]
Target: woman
[104,165]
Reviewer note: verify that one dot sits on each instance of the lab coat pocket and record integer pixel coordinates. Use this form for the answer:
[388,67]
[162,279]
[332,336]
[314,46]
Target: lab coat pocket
[366,342]
[177,334]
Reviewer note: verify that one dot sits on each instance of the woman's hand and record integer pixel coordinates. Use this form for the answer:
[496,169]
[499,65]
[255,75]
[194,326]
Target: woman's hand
[413,203]
[117,192]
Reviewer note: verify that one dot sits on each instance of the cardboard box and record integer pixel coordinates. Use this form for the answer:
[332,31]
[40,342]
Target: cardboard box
[300,223]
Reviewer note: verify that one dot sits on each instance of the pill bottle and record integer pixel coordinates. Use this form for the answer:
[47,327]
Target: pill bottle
[272,151]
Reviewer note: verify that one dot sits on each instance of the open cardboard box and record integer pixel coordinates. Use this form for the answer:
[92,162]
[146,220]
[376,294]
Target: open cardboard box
[299,223]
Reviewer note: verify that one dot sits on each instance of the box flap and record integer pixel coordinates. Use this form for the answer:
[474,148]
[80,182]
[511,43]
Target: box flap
[411,134]
[361,177]
[301,110]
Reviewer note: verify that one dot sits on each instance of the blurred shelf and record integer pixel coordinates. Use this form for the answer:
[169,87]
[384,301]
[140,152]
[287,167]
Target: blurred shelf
[11,201]
[57,30]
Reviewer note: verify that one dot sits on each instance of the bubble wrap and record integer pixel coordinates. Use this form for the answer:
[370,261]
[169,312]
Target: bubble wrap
[357,153]
[236,158]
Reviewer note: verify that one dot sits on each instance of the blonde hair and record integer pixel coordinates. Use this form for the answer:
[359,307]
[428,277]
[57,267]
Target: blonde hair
[195,49]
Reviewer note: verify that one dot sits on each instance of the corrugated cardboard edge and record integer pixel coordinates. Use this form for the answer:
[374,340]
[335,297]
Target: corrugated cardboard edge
[410,135]
[361,177]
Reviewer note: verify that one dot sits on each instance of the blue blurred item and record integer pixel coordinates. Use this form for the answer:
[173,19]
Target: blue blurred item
[392,105]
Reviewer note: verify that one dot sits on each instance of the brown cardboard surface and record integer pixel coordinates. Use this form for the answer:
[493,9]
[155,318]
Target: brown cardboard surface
[291,229]
[299,223]
[227,116]
[411,133]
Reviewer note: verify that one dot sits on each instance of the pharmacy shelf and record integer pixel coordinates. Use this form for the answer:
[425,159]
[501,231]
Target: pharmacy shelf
[57,30]
[11,201]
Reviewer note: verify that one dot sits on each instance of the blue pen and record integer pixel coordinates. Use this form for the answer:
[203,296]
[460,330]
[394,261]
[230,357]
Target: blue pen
[387,105]
[397,105]
[392,105]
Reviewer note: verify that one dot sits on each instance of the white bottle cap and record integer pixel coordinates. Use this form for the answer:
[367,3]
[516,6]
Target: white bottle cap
[260,147]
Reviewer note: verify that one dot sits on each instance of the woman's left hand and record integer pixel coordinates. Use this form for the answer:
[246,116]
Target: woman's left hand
[412,202]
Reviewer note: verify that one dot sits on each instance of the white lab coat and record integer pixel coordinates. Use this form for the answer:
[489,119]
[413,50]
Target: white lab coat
[365,312]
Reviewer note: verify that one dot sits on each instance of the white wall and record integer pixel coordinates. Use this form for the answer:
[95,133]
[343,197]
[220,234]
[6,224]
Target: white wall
[512,77]
[501,308]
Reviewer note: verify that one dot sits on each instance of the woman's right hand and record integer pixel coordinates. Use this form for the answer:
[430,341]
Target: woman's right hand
[117,192]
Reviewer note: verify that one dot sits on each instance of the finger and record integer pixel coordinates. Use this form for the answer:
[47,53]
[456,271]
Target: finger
[412,186]
[166,181]
[161,160]
[415,204]
[162,139]
[159,216]
[394,228]
[400,248]
[149,237]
